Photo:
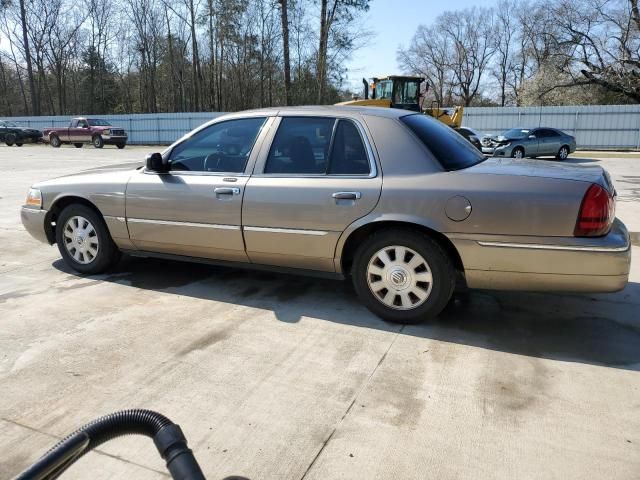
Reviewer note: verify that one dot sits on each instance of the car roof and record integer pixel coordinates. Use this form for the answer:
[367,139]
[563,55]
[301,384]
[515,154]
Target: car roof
[323,110]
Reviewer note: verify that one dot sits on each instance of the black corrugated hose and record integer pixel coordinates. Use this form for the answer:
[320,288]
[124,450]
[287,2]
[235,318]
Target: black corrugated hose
[169,440]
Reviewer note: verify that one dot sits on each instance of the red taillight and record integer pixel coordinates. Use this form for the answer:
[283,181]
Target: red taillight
[596,214]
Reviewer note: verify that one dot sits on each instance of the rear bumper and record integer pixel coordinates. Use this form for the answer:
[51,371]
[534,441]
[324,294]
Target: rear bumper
[33,220]
[548,264]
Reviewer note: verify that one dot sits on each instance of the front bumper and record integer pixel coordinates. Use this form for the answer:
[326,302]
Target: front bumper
[548,264]
[115,140]
[33,220]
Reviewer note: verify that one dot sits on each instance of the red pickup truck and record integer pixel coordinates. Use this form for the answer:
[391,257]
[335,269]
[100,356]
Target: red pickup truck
[83,130]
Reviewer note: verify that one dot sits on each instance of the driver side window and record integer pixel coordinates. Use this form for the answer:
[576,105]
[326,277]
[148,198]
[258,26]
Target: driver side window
[223,147]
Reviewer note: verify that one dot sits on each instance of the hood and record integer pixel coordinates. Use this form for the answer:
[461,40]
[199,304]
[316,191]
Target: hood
[102,128]
[543,169]
[109,174]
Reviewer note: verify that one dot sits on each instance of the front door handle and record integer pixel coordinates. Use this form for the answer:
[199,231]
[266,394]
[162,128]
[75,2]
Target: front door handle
[226,191]
[346,195]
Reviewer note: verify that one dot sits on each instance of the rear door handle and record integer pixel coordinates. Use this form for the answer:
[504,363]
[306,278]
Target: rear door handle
[226,191]
[346,195]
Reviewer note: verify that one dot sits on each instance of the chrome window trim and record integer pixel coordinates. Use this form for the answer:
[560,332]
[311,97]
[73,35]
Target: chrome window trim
[184,224]
[373,170]
[293,231]
[572,248]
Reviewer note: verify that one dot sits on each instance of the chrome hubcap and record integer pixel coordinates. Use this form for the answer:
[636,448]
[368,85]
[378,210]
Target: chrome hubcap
[563,153]
[81,239]
[518,154]
[399,277]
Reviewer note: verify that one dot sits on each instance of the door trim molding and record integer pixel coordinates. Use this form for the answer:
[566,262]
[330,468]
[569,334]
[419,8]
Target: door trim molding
[184,224]
[291,231]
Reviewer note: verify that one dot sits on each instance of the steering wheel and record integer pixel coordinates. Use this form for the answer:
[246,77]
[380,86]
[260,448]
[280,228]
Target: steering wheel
[212,162]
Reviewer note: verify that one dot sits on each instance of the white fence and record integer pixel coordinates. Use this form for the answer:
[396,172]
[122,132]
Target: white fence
[598,126]
[594,126]
[142,128]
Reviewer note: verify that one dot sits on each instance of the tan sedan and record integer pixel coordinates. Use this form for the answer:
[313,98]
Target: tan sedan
[395,200]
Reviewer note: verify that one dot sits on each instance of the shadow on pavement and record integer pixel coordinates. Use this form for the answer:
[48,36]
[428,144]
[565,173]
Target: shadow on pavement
[592,329]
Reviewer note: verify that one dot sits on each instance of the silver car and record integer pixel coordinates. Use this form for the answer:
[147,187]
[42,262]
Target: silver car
[525,142]
[395,200]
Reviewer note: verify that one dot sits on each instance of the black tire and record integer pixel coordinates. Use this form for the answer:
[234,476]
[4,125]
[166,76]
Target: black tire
[54,141]
[442,271]
[121,145]
[10,139]
[107,251]
[563,153]
[517,149]
[78,145]
[19,144]
[97,141]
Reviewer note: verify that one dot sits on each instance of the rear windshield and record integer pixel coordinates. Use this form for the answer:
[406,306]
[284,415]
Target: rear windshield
[449,147]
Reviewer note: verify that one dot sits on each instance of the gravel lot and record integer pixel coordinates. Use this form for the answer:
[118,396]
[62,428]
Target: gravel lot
[277,376]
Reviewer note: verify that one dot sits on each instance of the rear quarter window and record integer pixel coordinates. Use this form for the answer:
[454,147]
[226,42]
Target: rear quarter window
[447,146]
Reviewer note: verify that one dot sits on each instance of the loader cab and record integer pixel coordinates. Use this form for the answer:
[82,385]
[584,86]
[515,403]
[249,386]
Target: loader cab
[401,91]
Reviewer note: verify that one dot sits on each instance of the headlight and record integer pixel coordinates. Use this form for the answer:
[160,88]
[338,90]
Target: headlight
[34,198]
[106,132]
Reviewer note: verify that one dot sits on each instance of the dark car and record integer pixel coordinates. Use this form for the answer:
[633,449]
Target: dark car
[471,135]
[530,142]
[13,134]
[82,130]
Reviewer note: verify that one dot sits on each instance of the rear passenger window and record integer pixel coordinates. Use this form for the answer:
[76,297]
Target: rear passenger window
[348,156]
[318,146]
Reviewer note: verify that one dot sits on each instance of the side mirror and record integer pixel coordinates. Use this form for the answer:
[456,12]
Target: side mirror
[155,163]
[532,136]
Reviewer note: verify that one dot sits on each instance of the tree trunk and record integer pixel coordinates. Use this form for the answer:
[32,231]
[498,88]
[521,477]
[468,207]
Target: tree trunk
[285,48]
[322,51]
[35,99]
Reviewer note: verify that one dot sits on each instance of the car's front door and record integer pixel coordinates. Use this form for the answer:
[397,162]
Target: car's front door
[317,176]
[77,131]
[195,209]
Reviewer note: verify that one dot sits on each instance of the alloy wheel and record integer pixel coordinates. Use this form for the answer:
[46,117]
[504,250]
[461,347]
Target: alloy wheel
[399,277]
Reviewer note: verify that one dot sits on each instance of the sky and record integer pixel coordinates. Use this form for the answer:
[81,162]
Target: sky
[395,22]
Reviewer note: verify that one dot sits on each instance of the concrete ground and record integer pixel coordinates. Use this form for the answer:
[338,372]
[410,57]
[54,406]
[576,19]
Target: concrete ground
[275,376]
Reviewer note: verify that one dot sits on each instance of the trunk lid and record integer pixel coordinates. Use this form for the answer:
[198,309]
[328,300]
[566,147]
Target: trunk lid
[544,169]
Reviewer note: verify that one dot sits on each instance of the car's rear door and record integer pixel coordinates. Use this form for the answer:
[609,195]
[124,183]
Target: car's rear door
[195,209]
[552,142]
[316,177]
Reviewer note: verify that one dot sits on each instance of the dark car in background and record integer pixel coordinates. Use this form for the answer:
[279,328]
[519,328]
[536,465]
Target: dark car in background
[530,142]
[82,130]
[13,134]
[471,135]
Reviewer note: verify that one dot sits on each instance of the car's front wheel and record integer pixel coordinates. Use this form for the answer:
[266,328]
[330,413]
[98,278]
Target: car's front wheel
[97,141]
[403,276]
[121,145]
[19,144]
[84,241]
[518,152]
[10,139]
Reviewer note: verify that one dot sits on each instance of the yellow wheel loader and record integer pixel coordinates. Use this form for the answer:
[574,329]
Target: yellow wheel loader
[399,91]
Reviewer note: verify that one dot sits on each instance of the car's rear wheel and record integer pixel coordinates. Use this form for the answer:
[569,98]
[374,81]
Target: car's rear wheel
[97,141]
[518,152]
[54,141]
[84,241]
[78,145]
[403,276]
[563,153]
[10,139]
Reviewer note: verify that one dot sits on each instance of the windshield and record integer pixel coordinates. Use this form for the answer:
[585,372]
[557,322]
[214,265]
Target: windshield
[515,133]
[450,149]
[8,124]
[96,122]
[383,89]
